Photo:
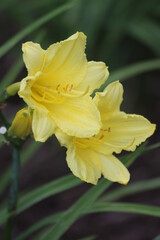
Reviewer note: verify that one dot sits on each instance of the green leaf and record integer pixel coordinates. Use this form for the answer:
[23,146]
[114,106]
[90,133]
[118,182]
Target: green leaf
[39,225]
[96,208]
[15,39]
[1,139]
[126,208]
[47,190]
[128,159]
[67,219]
[133,188]
[131,71]
[152,147]
[82,204]
[42,192]
[147,31]
[157,238]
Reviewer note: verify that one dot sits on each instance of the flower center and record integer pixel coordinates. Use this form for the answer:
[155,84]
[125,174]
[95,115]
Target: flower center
[50,95]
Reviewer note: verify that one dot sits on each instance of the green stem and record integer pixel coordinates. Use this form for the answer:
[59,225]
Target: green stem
[13,194]
[4,120]
[4,97]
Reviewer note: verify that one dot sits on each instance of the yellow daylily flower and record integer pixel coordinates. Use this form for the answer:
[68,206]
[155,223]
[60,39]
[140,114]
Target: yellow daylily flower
[58,88]
[22,124]
[88,158]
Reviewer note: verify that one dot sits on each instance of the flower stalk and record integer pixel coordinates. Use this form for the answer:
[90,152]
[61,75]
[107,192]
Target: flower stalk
[13,194]
[4,120]
[4,97]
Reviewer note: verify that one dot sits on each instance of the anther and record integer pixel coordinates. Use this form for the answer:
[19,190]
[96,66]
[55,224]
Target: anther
[102,136]
[66,88]
[57,87]
[71,87]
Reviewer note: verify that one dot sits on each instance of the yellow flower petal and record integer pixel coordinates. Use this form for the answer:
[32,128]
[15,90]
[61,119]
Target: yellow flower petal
[42,125]
[97,74]
[110,99]
[76,117]
[84,163]
[66,63]
[127,131]
[33,56]
[25,92]
[64,139]
[113,169]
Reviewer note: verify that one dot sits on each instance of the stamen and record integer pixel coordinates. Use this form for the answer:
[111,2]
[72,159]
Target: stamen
[66,88]
[107,129]
[102,136]
[58,87]
[71,87]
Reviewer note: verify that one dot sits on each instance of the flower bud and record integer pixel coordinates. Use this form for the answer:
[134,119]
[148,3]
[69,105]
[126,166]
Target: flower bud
[13,89]
[22,124]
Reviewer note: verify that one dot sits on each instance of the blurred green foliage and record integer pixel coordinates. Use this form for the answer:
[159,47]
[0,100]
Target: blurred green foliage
[118,32]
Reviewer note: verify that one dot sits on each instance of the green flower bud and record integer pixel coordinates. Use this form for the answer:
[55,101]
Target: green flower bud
[22,124]
[13,89]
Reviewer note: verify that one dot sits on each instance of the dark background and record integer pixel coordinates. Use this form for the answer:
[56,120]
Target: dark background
[120,33]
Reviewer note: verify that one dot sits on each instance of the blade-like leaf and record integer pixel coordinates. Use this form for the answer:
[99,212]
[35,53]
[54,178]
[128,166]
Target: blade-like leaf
[47,190]
[75,211]
[15,39]
[126,208]
[133,188]
[148,32]
[157,238]
[42,192]
[38,225]
[131,71]
[96,208]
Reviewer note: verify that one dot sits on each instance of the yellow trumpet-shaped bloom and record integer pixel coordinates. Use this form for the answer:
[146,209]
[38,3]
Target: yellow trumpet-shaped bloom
[58,88]
[88,158]
[22,124]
